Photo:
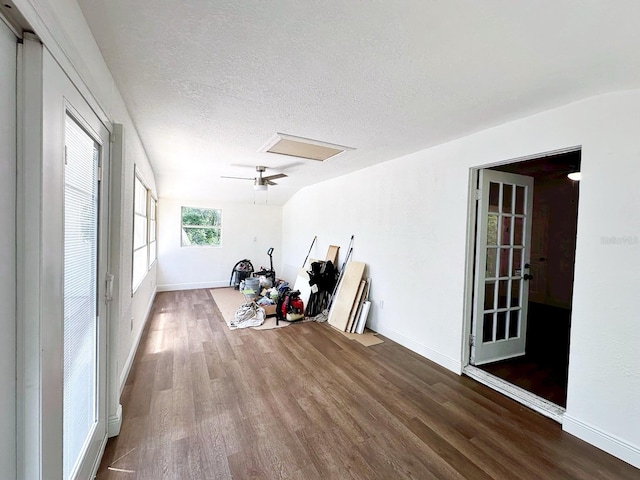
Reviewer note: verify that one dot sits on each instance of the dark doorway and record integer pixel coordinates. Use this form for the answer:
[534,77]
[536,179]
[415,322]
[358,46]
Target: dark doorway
[543,369]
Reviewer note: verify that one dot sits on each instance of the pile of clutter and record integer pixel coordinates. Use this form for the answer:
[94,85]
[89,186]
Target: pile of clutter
[279,300]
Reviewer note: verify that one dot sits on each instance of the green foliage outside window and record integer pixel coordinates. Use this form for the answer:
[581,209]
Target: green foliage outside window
[201,227]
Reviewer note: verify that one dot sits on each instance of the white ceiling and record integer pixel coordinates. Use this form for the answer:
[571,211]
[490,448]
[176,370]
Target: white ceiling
[209,82]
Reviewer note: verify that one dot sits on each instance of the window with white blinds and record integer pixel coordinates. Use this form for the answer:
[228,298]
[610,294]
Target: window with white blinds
[80,292]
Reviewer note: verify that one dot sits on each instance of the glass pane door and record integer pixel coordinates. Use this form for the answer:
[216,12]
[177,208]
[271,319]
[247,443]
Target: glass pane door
[80,292]
[501,280]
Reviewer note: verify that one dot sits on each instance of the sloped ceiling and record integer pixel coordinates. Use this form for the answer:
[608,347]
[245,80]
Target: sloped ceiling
[209,82]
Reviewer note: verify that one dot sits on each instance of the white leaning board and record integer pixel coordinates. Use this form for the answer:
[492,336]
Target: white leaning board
[346,295]
[302,282]
[362,319]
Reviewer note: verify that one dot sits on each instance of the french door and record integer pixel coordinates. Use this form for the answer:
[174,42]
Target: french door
[502,265]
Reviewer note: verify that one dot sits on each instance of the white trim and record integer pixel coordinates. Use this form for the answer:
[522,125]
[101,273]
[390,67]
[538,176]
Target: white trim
[29,237]
[467,307]
[603,440]
[526,158]
[114,423]
[283,136]
[134,348]
[433,355]
[520,395]
[115,256]
[172,287]
[9,101]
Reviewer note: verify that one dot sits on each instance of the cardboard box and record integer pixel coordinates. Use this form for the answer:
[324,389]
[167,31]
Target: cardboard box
[269,310]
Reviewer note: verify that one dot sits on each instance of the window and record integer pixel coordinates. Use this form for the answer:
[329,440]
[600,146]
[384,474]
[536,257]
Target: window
[153,250]
[140,233]
[145,251]
[201,227]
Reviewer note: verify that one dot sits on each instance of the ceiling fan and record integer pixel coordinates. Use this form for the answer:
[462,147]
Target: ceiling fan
[260,182]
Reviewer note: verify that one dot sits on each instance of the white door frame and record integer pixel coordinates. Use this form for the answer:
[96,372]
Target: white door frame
[8,156]
[520,395]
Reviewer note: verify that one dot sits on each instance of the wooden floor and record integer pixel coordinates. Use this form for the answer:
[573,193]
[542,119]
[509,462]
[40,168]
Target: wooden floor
[304,402]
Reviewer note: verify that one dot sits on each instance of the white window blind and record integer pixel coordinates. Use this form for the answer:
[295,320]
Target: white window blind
[80,307]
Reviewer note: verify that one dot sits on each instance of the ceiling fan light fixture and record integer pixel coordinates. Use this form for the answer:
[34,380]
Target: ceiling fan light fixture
[301,147]
[260,186]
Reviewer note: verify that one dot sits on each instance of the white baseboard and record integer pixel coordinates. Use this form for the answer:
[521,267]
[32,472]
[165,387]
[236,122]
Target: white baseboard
[134,348]
[449,363]
[172,287]
[114,422]
[605,441]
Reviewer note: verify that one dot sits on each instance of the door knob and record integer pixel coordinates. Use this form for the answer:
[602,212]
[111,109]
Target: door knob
[527,265]
[527,276]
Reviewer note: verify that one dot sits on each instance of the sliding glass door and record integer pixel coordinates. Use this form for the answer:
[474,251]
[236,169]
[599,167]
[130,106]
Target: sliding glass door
[81,332]
[64,250]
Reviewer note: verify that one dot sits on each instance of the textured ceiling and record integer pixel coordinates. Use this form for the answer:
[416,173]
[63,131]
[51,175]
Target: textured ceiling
[209,82]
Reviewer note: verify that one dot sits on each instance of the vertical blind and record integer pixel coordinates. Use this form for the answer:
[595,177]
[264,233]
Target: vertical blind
[80,282]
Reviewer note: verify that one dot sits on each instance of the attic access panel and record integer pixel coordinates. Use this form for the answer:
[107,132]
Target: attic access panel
[301,147]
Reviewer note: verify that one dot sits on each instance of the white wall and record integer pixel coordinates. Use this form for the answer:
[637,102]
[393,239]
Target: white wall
[8,44]
[132,309]
[409,220]
[248,231]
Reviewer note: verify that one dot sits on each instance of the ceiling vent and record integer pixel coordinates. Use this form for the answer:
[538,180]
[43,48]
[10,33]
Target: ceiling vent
[301,147]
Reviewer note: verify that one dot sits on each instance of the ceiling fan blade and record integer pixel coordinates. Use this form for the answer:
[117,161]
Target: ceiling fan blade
[269,182]
[273,177]
[238,178]
[287,166]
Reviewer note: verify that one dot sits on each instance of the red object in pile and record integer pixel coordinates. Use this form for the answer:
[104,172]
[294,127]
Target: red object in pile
[296,305]
[292,305]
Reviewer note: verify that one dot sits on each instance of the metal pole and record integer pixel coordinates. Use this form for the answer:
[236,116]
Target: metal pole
[309,252]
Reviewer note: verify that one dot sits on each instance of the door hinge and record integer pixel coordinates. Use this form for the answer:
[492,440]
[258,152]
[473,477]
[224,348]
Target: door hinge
[478,194]
[472,340]
[99,173]
[112,138]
